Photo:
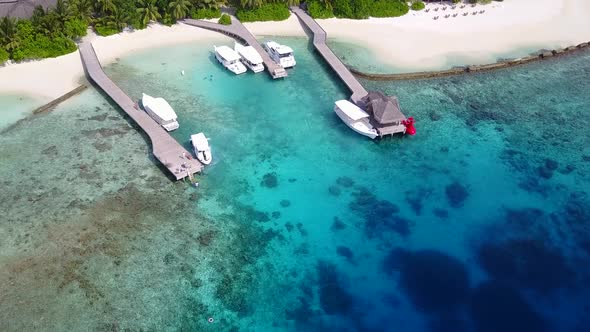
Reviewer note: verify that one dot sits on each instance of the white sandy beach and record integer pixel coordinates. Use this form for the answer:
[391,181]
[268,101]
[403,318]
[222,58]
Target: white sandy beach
[413,42]
[512,28]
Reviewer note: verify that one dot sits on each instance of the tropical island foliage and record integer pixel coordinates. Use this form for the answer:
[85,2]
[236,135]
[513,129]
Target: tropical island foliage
[224,19]
[52,32]
[357,9]
[417,5]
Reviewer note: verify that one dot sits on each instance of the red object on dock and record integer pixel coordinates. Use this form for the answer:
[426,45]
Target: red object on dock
[409,123]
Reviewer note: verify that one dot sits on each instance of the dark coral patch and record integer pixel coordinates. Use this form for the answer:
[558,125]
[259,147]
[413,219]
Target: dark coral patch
[345,252]
[544,172]
[526,264]
[456,194]
[302,230]
[334,299]
[363,200]
[337,225]
[384,209]
[270,180]
[250,213]
[334,191]
[577,209]
[276,214]
[498,307]
[285,203]
[551,164]
[415,198]
[441,213]
[448,323]
[345,181]
[524,218]
[376,227]
[434,281]
[289,226]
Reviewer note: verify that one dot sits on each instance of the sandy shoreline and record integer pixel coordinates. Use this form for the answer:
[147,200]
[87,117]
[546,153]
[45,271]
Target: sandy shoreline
[414,42]
[512,28]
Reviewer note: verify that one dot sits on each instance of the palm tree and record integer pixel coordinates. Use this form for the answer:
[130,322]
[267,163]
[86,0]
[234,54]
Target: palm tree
[251,3]
[327,4]
[148,11]
[179,8]
[50,24]
[8,33]
[61,10]
[207,4]
[106,6]
[81,9]
[118,19]
[292,2]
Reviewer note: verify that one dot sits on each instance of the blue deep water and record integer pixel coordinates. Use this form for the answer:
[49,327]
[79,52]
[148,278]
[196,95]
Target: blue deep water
[477,223]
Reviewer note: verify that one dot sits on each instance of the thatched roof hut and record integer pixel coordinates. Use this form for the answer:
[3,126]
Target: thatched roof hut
[383,109]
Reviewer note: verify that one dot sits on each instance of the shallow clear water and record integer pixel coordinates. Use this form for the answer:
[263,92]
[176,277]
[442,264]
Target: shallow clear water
[15,108]
[362,58]
[478,223]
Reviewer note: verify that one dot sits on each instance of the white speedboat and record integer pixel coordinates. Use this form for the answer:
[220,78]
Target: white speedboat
[281,54]
[250,57]
[201,148]
[355,118]
[230,59]
[160,111]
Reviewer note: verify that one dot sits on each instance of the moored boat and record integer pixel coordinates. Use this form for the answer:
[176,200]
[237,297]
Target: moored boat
[230,59]
[250,57]
[201,147]
[281,54]
[159,110]
[355,118]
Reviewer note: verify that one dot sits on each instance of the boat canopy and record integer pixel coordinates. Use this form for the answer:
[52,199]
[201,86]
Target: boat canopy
[227,53]
[200,142]
[281,49]
[351,110]
[159,106]
[249,53]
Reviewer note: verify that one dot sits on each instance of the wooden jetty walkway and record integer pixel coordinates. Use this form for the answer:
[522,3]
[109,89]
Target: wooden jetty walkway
[238,31]
[165,148]
[319,42]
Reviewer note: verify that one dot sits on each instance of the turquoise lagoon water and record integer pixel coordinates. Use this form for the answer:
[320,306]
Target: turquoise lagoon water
[478,223]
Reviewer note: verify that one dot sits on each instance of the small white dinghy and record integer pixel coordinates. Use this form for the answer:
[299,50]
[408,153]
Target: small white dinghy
[201,148]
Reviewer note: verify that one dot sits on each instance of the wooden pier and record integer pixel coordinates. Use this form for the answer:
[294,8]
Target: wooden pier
[165,148]
[238,31]
[319,42]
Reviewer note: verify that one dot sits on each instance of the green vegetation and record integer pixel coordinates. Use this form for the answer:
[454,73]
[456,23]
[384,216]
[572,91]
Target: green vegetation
[224,19]
[50,33]
[3,56]
[357,9]
[46,34]
[319,10]
[265,12]
[388,8]
[205,13]
[418,5]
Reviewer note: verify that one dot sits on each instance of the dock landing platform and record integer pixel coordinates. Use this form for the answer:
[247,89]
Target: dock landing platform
[165,148]
[238,31]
